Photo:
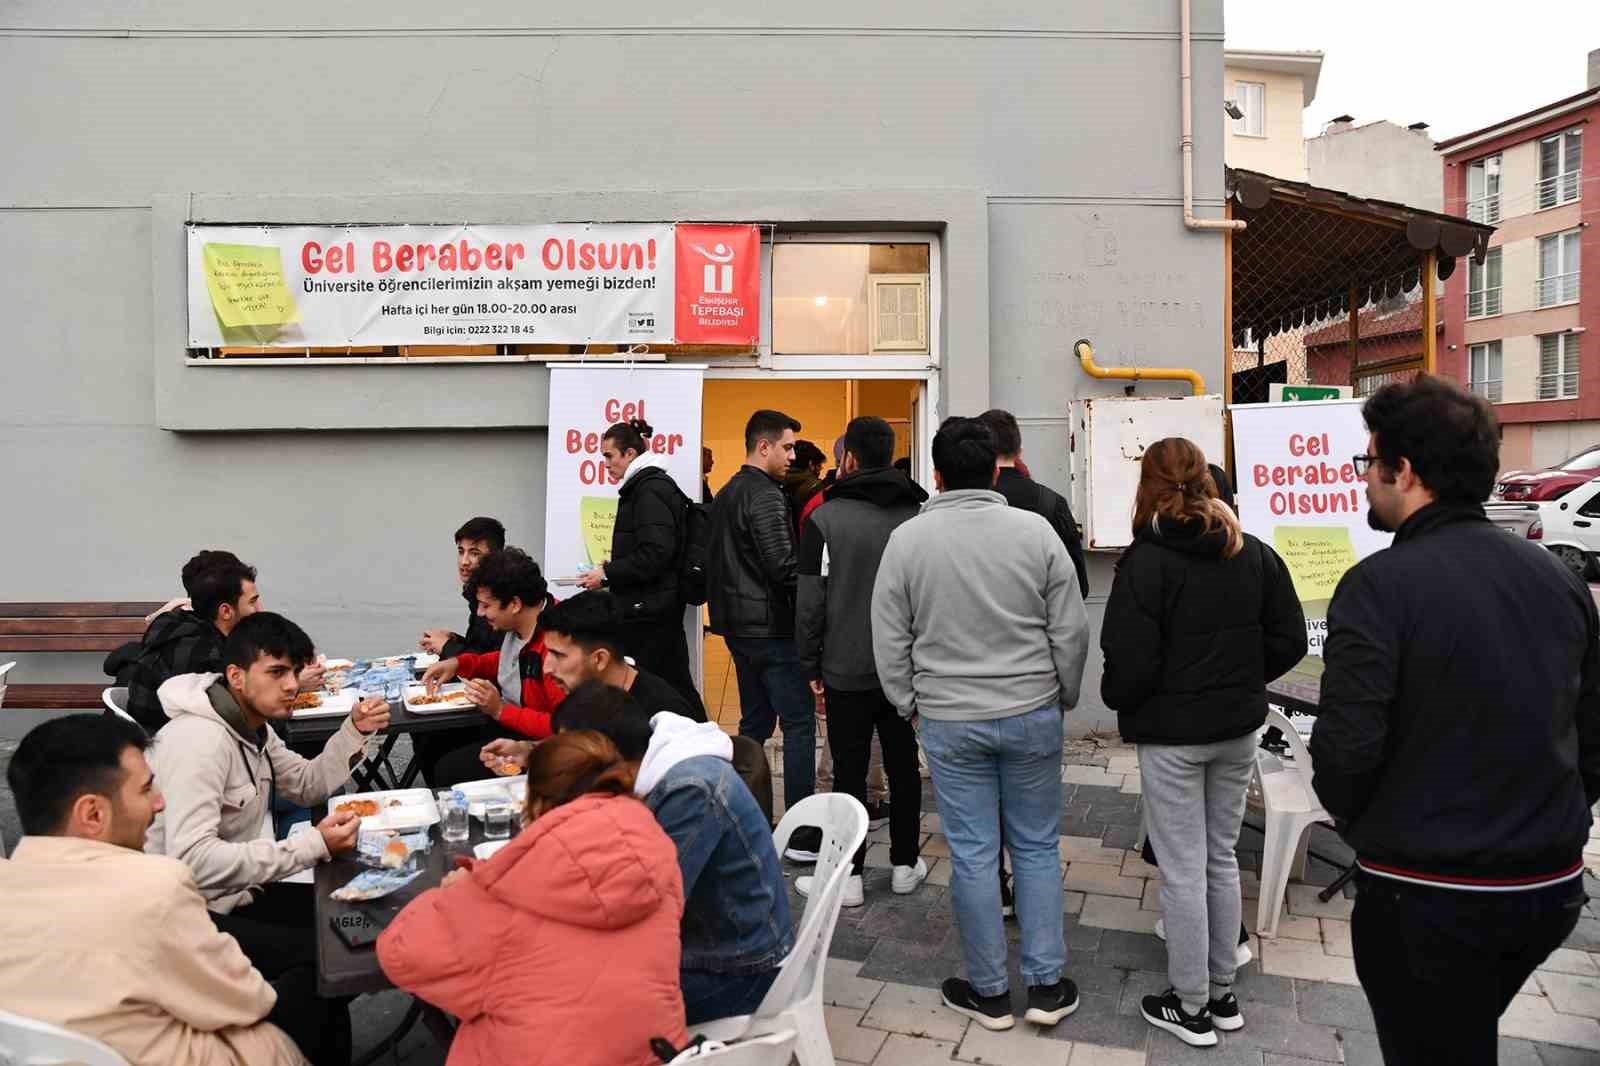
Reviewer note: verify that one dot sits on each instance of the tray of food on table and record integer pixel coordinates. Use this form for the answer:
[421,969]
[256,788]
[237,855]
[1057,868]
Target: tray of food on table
[323,704]
[512,790]
[401,808]
[451,697]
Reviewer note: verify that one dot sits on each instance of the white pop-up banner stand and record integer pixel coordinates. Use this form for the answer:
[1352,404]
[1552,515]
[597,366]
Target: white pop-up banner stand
[580,508]
[1294,464]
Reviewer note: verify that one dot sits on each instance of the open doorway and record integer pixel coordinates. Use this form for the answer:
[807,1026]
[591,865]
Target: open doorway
[823,407]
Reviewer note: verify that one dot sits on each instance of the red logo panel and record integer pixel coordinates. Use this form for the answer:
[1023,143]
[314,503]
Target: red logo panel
[718,285]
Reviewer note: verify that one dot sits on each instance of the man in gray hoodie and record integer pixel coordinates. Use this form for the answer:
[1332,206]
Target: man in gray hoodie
[980,638]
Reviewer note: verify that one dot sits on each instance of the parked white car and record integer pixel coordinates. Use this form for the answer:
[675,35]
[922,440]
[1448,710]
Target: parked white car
[1569,526]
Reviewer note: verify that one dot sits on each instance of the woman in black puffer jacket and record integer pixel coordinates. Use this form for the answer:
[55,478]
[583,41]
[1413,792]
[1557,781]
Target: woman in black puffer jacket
[646,544]
[1200,617]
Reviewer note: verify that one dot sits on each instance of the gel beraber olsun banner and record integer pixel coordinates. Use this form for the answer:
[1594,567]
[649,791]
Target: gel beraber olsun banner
[1298,491]
[601,283]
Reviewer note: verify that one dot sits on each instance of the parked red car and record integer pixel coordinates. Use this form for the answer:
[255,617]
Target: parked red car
[1535,486]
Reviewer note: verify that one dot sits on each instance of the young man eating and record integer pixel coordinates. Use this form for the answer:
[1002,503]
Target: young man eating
[221,769]
[509,685]
[163,985]
[582,643]
[476,540]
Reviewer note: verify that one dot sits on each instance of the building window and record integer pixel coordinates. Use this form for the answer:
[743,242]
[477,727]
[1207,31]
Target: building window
[1560,166]
[1558,269]
[1251,98]
[1558,366]
[1483,190]
[849,299]
[1484,375]
[1483,285]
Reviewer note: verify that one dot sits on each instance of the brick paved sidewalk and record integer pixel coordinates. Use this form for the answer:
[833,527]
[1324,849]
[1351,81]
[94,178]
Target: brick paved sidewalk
[1301,1001]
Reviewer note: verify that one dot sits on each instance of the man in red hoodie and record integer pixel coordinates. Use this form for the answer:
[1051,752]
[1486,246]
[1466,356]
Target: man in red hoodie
[508,685]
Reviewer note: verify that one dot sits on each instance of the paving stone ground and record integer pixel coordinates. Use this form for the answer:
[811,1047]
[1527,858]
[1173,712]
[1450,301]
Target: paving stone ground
[1301,1002]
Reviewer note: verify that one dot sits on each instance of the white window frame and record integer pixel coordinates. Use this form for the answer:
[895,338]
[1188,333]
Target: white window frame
[1565,284]
[1490,299]
[1241,126]
[931,359]
[875,283]
[1485,208]
[1563,180]
[1491,385]
[1567,359]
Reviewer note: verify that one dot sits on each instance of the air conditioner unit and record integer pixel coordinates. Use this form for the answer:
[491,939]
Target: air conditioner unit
[898,311]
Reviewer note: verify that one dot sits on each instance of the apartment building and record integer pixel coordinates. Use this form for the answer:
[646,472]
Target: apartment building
[1269,90]
[1517,325]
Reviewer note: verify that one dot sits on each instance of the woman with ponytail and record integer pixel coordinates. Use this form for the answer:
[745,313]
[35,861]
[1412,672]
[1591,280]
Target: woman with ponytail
[646,550]
[562,949]
[1200,617]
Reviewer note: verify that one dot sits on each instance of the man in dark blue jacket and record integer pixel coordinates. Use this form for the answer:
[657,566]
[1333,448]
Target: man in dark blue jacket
[1458,737]
[737,928]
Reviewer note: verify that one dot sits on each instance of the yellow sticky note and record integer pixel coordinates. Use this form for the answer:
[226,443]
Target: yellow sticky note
[598,517]
[1317,557]
[247,286]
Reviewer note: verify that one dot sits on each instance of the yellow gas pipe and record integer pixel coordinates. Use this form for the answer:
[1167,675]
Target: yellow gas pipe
[1085,353]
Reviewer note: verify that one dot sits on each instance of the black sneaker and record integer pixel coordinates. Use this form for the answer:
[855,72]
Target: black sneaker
[877,815]
[1048,1004]
[1166,1012]
[1224,1011]
[991,1012]
[1008,899]
[804,843]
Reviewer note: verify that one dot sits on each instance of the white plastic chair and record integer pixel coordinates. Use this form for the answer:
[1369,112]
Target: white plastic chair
[5,669]
[26,1042]
[795,999]
[116,700]
[1290,809]
[773,1049]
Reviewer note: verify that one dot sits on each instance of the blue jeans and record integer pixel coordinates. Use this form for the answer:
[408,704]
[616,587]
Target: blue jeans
[708,996]
[981,769]
[773,689]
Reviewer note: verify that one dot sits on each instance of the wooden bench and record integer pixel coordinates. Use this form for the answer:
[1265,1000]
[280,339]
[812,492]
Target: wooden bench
[58,627]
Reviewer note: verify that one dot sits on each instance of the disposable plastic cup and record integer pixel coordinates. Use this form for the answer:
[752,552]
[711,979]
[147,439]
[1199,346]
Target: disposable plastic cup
[496,820]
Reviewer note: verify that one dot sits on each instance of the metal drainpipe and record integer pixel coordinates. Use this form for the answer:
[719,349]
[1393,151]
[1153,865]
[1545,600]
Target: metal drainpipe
[1188,141]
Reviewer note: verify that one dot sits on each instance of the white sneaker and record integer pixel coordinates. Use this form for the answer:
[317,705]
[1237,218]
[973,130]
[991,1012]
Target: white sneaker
[855,895]
[1245,955]
[906,878]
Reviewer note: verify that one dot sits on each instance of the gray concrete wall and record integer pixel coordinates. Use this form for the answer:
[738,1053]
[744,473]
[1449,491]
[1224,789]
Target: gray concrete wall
[1380,160]
[1039,141]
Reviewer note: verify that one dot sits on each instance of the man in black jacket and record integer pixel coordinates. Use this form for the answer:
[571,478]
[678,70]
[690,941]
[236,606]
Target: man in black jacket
[474,541]
[221,591]
[1458,737]
[1022,491]
[750,587]
[839,552]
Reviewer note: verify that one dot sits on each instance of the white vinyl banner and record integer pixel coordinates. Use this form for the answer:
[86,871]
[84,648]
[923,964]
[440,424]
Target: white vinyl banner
[580,496]
[1298,492]
[289,286]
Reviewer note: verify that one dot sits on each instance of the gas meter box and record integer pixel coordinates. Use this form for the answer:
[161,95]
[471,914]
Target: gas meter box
[1113,434]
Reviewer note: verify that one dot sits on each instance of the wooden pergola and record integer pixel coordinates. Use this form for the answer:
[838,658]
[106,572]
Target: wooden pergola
[1313,261]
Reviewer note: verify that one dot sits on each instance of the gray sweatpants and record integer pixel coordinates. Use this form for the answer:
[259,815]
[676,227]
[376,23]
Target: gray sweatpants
[1194,802]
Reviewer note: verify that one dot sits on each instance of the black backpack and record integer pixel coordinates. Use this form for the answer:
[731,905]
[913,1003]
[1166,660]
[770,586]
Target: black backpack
[694,539]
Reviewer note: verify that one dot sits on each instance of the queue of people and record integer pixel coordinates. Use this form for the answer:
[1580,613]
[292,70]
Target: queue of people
[1461,764]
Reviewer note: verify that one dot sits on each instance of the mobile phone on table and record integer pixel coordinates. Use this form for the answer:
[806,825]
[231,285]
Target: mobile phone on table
[357,929]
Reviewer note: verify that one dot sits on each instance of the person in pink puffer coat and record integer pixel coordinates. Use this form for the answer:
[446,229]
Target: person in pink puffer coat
[561,949]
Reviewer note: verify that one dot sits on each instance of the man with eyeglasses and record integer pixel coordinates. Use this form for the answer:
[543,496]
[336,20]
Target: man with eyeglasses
[1458,737]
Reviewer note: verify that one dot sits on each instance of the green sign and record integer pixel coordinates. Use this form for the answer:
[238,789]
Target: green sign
[1293,393]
